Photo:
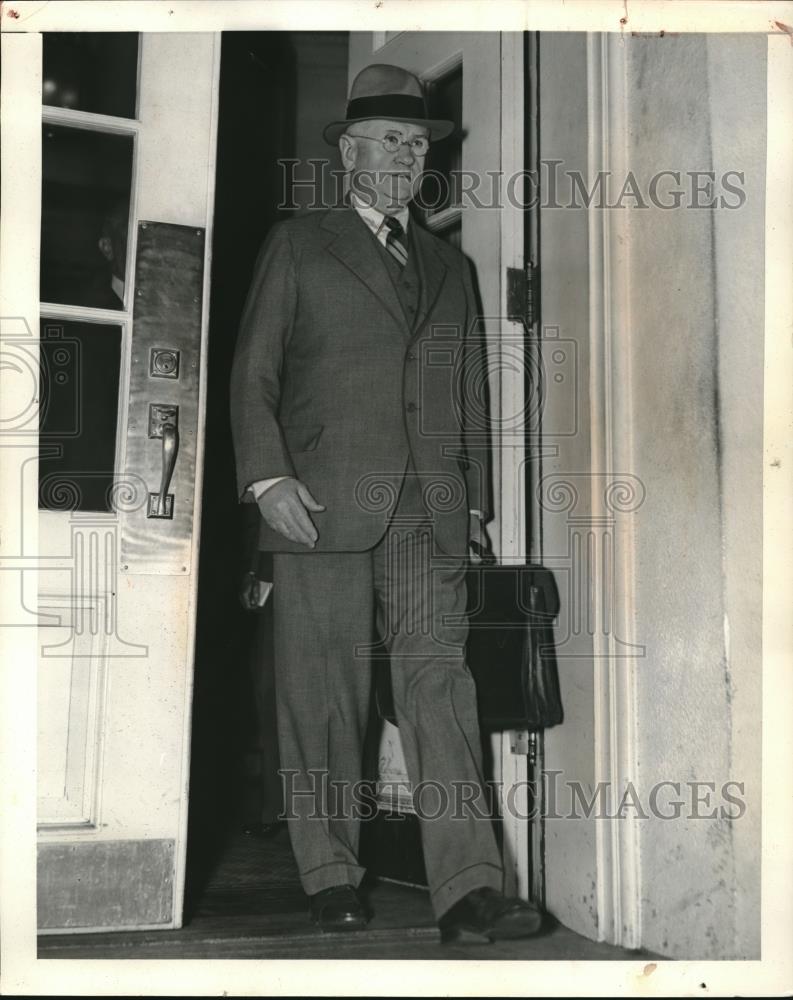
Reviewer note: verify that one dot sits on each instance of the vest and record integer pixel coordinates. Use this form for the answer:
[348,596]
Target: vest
[406,280]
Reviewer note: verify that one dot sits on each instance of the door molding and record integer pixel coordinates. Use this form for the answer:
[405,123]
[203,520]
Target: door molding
[203,360]
[509,447]
[617,840]
[81,662]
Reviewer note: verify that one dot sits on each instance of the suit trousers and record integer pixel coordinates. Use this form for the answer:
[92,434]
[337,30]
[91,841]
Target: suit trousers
[327,606]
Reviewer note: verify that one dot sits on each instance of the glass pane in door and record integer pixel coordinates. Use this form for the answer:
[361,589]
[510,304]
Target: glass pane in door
[444,161]
[86,184]
[94,71]
[80,368]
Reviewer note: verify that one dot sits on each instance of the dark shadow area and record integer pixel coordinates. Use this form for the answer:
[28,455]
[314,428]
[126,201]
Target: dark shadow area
[256,127]
[276,90]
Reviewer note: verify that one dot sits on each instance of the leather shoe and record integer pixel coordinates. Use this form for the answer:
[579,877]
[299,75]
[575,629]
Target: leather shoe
[484,914]
[338,909]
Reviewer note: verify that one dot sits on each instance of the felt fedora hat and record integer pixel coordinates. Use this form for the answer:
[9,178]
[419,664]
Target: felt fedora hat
[387,92]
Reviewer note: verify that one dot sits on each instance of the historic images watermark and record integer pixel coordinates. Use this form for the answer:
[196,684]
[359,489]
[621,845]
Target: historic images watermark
[551,798]
[315,184]
[49,363]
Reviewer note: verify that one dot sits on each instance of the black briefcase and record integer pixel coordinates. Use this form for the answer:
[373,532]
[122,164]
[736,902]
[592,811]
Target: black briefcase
[510,650]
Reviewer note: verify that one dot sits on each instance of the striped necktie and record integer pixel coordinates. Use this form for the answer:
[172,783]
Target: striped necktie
[396,241]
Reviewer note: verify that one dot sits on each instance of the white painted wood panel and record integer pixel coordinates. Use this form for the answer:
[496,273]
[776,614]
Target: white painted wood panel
[70,721]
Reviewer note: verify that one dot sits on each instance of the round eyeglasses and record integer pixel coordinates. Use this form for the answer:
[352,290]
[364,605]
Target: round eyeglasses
[391,142]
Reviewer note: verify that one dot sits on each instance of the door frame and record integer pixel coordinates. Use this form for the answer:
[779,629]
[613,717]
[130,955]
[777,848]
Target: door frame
[610,418]
[534,456]
[605,337]
[514,543]
[187,717]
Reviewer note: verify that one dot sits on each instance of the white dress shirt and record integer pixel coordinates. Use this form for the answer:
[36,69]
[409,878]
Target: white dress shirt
[376,220]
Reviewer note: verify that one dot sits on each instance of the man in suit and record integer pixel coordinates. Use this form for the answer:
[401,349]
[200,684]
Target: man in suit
[356,414]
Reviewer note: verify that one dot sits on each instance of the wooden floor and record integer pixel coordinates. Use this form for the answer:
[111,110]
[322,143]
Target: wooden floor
[252,906]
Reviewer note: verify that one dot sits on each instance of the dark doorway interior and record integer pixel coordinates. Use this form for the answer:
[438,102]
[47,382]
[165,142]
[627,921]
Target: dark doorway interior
[255,127]
[275,87]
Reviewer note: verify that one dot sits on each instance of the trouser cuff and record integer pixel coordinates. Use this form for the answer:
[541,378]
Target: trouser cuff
[480,876]
[333,874]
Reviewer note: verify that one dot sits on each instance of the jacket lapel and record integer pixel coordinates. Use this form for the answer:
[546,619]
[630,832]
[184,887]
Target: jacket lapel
[352,245]
[433,273]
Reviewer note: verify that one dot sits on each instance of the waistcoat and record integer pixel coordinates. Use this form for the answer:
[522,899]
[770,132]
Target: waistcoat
[406,280]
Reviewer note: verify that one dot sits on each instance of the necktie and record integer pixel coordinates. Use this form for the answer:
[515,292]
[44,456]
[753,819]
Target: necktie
[396,240]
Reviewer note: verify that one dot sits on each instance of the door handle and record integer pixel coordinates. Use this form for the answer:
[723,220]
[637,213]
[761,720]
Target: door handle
[170,446]
[164,423]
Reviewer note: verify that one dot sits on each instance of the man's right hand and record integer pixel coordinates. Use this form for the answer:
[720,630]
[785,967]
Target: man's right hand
[285,507]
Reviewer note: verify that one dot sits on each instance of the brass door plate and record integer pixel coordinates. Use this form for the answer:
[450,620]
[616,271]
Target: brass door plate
[169,279]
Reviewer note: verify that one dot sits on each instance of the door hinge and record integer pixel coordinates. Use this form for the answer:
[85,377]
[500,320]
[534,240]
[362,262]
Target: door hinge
[522,294]
[524,744]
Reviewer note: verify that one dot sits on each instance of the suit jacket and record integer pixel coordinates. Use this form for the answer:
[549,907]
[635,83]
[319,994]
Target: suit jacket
[331,383]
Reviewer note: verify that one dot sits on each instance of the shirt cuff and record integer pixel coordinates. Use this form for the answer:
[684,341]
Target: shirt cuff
[262,485]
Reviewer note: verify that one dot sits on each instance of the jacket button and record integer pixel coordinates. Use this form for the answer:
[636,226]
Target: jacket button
[411,407]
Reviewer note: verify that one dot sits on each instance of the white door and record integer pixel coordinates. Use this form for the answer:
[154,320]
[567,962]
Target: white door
[478,79]
[127,159]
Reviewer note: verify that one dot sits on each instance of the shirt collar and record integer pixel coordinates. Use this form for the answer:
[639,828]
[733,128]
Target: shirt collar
[118,286]
[375,219]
